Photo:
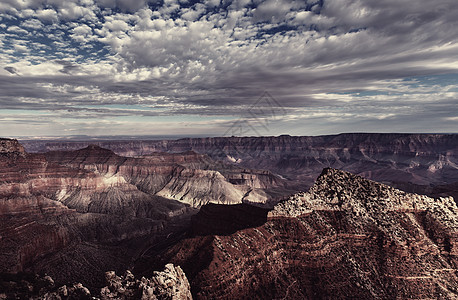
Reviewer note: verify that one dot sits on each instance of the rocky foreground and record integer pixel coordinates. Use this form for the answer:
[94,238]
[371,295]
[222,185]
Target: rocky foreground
[171,283]
[347,237]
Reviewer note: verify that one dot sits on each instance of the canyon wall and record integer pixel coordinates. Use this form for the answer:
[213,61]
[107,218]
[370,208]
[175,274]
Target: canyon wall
[401,160]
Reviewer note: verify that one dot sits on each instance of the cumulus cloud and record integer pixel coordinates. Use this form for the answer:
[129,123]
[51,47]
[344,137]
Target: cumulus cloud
[82,33]
[17,29]
[32,23]
[47,15]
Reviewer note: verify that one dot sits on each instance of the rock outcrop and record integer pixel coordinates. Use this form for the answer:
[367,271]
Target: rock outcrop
[347,237]
[11,148]
[171,283]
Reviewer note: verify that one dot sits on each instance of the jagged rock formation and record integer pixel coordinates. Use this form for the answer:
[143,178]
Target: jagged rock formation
[11,148]
[409,161]
[347,237]
[168,284]
[171,283]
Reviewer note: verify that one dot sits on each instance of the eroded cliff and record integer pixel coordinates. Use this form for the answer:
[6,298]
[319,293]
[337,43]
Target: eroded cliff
[75,214]
[188,177]
[74,223]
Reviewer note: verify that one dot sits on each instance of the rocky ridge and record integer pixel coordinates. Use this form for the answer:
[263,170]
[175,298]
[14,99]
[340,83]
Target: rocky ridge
[346,237]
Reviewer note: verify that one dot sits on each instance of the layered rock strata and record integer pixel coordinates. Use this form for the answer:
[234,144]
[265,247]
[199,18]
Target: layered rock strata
[413,162]
[347,237]
[188,177]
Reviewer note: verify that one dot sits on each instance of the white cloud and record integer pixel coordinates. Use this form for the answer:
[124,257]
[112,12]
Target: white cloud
[47,15]
[26,13]
[73,11]
[17,29]
[272,10]
[32,23]
[21,48]
[82,33]
[116,25]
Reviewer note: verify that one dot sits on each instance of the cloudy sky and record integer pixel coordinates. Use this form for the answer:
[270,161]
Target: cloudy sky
[188,67]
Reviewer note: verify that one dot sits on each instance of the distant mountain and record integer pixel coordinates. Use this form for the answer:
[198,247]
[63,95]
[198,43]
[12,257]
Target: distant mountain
[347,237]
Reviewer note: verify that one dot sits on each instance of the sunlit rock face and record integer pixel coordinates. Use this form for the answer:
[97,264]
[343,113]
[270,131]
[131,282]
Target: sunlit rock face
[347,237]
[188,177]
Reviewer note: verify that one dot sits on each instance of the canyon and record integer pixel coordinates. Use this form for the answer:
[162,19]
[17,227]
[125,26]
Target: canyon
[254,217]
[420,163]
[103,209]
